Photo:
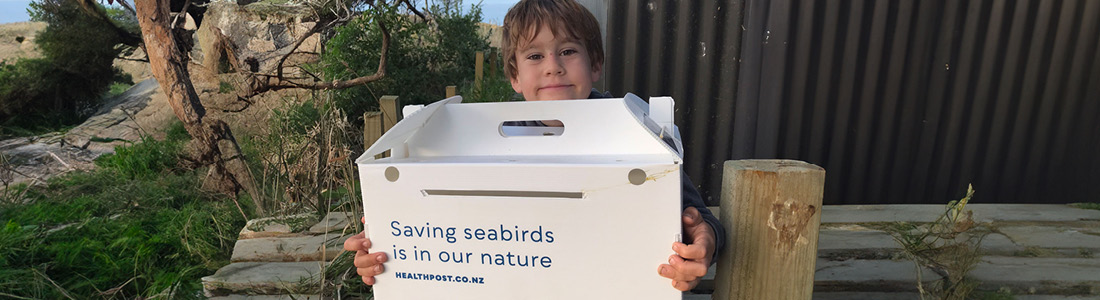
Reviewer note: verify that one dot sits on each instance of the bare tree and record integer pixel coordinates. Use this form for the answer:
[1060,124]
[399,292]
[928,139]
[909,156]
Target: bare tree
[213,140]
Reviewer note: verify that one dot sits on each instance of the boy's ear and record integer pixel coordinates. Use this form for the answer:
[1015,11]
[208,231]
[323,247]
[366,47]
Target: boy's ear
[515,85]
[597,69]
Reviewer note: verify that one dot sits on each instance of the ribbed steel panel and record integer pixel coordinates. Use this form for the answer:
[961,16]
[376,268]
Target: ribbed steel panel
[900,101]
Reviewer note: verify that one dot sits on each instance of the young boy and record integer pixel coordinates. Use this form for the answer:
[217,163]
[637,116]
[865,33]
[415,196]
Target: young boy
[554,52]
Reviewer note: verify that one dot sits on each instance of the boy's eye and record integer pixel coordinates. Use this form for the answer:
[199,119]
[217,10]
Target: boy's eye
[534,57]
[568,52]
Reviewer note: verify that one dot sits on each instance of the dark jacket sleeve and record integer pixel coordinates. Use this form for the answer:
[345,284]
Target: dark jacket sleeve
[690,197]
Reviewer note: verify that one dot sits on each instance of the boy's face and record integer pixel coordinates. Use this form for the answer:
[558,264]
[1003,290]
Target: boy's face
[553,68]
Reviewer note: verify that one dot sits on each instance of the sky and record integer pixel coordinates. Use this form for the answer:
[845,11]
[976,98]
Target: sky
[492,10]
[13,11]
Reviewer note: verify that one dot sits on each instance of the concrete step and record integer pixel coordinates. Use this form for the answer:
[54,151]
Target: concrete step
[268,297]
[982,213]
[322,247]
[335,221]
[1021,275]
[280,226]
[259,278]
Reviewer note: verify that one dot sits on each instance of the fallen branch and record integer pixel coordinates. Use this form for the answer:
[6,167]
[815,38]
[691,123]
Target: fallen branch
[59,160]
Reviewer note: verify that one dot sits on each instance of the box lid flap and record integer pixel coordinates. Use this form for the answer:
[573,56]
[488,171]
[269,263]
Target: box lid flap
[616,126]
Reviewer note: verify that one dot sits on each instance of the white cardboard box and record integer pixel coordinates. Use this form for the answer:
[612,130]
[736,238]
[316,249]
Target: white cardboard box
[469,209]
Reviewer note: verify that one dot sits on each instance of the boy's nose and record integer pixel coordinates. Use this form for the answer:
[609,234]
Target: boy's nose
[556,67]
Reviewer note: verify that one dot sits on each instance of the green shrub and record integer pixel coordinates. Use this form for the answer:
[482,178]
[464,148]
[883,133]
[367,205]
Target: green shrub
[67,83]
[423,58]
[150,157]
[135,228]
[493,89]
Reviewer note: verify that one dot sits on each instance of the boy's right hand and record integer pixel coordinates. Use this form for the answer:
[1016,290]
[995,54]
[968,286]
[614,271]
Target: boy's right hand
[366,264]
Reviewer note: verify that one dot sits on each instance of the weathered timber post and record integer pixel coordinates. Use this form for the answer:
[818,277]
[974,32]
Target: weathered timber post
[451,91]
[479,69]
[771,210]
[493,62]
[390,115]
[372,128]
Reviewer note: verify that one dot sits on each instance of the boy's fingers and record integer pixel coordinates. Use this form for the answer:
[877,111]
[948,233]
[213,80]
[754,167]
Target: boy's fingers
[368,280]
[684,286]
[354,242]
[687,270]
[371,271]
[691,217]
[693,251]
[364,259]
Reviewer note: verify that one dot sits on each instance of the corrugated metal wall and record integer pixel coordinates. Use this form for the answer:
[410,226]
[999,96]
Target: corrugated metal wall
[900,101]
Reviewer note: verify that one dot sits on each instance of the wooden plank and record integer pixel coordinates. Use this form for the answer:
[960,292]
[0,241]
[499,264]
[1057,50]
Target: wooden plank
[451,91]
[773,211]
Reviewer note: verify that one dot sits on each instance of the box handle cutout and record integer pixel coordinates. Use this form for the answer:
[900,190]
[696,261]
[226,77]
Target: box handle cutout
[531,128]
[499,193]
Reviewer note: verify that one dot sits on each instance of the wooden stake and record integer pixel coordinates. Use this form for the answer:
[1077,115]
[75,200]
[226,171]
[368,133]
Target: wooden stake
[451,91]
[372,128]
[771,210]
[479,69]
[390,115]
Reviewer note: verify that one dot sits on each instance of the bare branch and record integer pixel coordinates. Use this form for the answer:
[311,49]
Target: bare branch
[133,59]
[267,84]
[127,7]
[183,12]
[413,9]
[91,8]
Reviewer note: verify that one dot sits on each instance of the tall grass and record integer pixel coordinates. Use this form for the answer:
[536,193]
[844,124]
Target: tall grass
[135,228]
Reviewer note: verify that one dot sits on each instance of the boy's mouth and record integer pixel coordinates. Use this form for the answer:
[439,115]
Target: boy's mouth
[557,86]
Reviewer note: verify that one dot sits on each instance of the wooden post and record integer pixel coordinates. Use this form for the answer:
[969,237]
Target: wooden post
[479,69]
[451,91]
[492,62]
[388,105]
[771,210]
[372,128]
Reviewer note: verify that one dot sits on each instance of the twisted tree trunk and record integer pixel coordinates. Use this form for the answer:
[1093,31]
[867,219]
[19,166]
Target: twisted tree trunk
[212,138]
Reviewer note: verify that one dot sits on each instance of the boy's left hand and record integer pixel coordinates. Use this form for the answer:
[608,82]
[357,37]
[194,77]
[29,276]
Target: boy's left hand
[691,260]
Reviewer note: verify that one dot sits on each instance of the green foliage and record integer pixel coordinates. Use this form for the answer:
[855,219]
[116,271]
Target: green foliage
[225,87]
[103,234]
[493,89]
[63,86]
[117,88]
[949,247]
[423,58]
[1087,205]
[148,158]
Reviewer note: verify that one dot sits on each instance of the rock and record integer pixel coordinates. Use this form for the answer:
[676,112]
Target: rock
[333,221]
[124,119]
[283,249]
[281,226]
[264,278]
[259,33]
[35,159]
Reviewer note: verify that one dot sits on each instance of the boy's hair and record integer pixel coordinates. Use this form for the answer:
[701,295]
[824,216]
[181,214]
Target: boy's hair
[566,18]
